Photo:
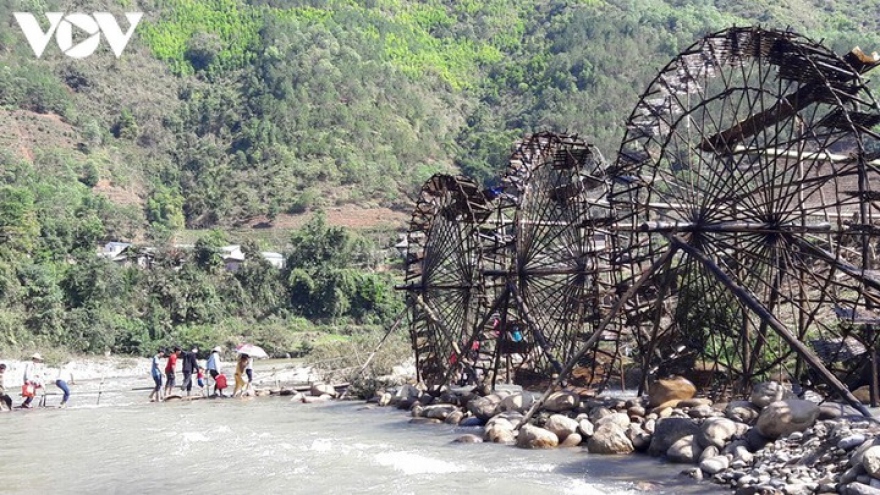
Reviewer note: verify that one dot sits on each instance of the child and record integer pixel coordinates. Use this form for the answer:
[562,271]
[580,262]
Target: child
[220,384]
[200,380]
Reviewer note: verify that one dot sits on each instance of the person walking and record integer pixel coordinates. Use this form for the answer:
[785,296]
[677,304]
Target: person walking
[190,366]
[241,370]
[156,373]
[32,379]
[63,379]
[214,367]
[170,368]
[5,399]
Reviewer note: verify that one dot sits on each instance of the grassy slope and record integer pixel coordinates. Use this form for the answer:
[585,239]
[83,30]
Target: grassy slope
[443,46]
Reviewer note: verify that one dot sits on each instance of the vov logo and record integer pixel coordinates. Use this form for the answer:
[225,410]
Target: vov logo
[62,26]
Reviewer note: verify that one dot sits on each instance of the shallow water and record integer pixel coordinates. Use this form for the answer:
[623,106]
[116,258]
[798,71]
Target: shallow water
[273,445]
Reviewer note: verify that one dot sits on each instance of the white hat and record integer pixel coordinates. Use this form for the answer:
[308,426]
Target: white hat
[37,356]
[218,349]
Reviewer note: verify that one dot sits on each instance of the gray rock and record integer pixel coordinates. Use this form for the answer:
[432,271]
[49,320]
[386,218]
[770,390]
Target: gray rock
[640,438]
[585,428]
[454,418]
[533,437]
[572,440]
[755,441]
[871,461]
[561,425]
[519,402]
[561,401]
[851,441]
[620,419]
[685,450]
[717,432]
[499,430]
[320,389]
[439,411]
[710,451]
[484,407]
[859,452]
[784,417]
[742,411]
[471,421]
[668,431]
[715,465]
[857,488]
[609,439]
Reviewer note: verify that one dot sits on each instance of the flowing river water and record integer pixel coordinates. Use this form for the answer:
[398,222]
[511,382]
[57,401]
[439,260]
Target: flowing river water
[272,445]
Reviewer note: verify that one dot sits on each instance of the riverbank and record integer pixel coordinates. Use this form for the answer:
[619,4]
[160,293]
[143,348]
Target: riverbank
[772,443]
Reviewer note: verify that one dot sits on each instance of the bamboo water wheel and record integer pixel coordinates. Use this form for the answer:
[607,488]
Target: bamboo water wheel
[746,159]
[734,234]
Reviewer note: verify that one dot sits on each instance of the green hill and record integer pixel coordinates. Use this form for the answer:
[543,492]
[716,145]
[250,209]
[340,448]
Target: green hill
[229,114]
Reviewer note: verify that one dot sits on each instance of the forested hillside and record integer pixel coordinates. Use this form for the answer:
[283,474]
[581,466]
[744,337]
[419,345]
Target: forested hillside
[221,113]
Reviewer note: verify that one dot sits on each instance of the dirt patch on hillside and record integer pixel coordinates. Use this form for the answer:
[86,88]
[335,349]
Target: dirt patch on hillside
[349,216]
[118,195]
[26,131]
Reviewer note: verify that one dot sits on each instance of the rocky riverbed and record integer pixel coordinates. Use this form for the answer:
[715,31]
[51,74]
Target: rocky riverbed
[772,443]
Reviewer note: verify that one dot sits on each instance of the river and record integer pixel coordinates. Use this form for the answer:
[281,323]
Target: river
[273,445]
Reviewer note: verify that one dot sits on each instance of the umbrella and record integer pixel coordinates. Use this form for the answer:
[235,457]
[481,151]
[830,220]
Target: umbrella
[251,350]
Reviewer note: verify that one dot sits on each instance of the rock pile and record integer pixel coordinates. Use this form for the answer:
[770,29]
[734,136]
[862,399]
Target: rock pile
[773,443]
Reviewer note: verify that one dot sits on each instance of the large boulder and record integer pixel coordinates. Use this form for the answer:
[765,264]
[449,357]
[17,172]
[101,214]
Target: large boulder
[620,419]
[500,431]
[319,389]
[562,426]
[572,440]
[513,417]
[532,437]
[562,401]
[405,396]
[716,431]
[586,428]
[519,402]
[640,438]
[675,388]
[784,417]
[667,431]
[715,464]
[871,462]
[610,438]
[439,411]
[685,450]
[484,407]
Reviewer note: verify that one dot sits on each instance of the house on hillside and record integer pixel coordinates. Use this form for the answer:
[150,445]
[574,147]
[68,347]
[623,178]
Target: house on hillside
[114,251]
[127,254]
[275,259]
[232,257]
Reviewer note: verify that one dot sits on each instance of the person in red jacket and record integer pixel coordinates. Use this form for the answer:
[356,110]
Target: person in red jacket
[170,366]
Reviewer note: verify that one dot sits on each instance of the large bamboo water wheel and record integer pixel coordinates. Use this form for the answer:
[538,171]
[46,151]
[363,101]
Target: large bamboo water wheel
[552,260]
[737,240]
[744,186]
[443,273]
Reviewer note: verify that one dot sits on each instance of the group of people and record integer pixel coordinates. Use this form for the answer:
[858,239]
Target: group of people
[190,366]
[33,380]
